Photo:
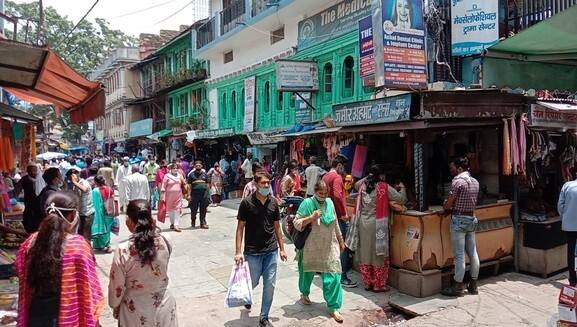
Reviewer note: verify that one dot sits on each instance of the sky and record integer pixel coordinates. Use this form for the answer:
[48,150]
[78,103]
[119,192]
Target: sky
[123,15]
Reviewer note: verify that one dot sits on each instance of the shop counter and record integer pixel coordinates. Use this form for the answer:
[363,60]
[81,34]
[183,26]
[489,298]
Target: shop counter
[543,247]
[422,240]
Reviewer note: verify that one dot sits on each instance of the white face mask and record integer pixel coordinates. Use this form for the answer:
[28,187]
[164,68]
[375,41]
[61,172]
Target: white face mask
[174,172]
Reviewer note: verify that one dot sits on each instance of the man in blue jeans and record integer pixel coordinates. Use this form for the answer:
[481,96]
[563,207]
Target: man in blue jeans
[259,224]
[461,203]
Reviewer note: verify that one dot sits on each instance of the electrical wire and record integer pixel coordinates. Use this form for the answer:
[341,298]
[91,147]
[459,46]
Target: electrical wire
[75,26]
[143,9]
[174,13]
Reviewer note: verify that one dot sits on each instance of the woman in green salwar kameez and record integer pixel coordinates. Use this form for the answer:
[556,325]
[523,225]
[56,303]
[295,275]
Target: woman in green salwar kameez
[102,224]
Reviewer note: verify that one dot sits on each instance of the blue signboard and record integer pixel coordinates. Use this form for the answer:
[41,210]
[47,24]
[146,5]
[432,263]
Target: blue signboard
[385,110]
[140,128]
[367,51]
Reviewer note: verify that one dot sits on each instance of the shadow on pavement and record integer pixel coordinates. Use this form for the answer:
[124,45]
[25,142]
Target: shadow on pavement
[246,320]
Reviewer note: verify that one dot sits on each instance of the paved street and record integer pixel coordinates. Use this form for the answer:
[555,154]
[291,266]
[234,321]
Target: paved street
[202,261]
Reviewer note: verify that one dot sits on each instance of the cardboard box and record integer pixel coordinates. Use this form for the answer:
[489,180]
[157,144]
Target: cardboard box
[421,284]
[568,296]
[567,315]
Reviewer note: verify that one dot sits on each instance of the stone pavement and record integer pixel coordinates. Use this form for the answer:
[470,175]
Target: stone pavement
[202,260]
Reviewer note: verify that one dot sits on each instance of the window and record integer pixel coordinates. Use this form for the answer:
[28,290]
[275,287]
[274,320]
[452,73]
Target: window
[233,104]
[267,96]
[293,100]
[348,77]
[170,108]
[277,35]
[182,105]
[242,102]
[228,57]
[223,106]
[328,81]
[280,100]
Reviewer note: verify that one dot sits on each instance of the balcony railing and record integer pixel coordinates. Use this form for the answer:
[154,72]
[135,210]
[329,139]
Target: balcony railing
[522,14]
[232,15]
[206,33]
[259,6]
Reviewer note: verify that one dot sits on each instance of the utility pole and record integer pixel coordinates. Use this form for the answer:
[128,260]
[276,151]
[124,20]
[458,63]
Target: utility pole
[41,37]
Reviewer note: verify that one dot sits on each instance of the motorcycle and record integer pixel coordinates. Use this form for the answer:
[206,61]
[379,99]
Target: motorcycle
[288,209]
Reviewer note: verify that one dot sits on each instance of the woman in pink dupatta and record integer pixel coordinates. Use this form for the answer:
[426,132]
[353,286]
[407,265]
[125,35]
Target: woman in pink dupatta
[58,281]
[369,232]
[171,194]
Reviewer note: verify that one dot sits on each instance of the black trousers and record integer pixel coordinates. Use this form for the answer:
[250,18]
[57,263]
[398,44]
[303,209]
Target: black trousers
[198,202]
[571,241]
[85,227]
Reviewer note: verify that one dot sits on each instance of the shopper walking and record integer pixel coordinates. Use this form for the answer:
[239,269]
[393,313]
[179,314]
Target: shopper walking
[171,190]
[32,185]
[103,220]
[369,234]
[184,164]
[567,207]
[258,223]
[461,205]
[322,249]
[123,172]
[54,182]
[216,177]
[138,291]
[150,170]
[312,175]
[59,285]
[83,190]
[198,180]
[136,187]
[289,182]
[334,181]
[107,172]
[247,168]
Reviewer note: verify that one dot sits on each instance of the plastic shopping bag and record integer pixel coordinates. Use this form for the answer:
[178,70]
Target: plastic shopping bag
[239,291]
[161,211]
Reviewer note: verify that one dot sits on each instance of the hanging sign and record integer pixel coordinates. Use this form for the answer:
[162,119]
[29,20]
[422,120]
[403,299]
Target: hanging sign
[475,26]
[553,115]
[367,51]
[385,110]
[297,76]
[213,133]
[332,22]
[261,138]
[404,44]
[303,113]
[249,104]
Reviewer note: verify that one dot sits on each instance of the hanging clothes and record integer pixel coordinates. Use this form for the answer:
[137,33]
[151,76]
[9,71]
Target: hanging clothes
[506,149]
[522,143]
[359,161]
[514,146]
[6,150]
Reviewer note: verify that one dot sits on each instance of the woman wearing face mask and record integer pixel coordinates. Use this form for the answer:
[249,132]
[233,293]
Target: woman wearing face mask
[102,223]
[59,285]
[171,193]
[216,176]
[322,249]
[138,291]
[369,237]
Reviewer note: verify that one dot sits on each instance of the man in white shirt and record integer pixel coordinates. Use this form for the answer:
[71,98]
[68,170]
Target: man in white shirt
[137,186]
[312,174]
[121,174]
[247,168]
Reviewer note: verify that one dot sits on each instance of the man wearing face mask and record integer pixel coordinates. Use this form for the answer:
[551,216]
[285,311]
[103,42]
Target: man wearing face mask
[334,181]
[54,182]
[32,185]
[123,172]
[289,182]
[198,180]
[86,208]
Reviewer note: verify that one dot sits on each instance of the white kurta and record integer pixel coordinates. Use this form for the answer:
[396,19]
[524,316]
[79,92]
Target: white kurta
[121,175]
[137,187]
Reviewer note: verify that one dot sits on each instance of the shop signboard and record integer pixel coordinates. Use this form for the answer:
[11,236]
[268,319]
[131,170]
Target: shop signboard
[475,26]
[332,22]
[249,104]
[303,113]
[140,128]
[297,76]
[214,133]
[553,115]
[261,138]
[99,136]
[404,44]
[385,110]
[367,51]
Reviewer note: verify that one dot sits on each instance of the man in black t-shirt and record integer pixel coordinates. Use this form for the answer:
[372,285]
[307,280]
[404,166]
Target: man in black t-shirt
[258,222]
[198,180]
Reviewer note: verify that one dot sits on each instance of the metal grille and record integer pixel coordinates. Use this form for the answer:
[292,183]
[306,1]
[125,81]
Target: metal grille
[522,14]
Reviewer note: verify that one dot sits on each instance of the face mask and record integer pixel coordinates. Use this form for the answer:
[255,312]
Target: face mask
[174,172]
[126,164]
[320,200]
[264,191]
[341,170]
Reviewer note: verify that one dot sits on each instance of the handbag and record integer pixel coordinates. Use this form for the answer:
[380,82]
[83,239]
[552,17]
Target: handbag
[161,211]
[300,237]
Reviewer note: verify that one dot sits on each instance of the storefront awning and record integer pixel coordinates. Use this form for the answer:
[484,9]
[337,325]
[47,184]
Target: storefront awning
[544,56]
[162,133]
[7,111]
[37,75]
[313,131]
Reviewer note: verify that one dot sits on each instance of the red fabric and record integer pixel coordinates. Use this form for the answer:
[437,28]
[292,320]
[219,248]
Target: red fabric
[298,187]
[382,207]
[359,160]
[106,192]
[375,277]
[161,211]
[336,192]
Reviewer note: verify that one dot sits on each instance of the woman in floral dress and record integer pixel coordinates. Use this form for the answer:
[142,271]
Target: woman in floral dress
[138,290]
[216,176]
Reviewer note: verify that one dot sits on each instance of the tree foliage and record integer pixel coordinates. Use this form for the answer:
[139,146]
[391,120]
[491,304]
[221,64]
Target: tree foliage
[83,49]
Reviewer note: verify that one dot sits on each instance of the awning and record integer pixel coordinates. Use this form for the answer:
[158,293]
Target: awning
[37,75]
[7,111]
[543,56]
[314,131]
[162,133]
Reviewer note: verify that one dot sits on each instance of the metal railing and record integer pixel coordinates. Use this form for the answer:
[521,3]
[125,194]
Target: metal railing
[522,14]
[206,33]
[230,16]
[259,6]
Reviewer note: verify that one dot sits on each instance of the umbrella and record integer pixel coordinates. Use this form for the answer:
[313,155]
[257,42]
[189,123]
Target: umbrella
[50,156]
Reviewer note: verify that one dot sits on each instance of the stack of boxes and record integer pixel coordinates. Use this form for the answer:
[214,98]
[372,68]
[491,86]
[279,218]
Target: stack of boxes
[567,307]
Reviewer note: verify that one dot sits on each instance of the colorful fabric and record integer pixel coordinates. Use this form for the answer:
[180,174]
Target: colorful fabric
[507,165]
[102,223]
[373,276]
[382,218]
[172,188]
[81,299]
[359,160]
[332,289]
[6,159]
[465,189]
[309,205]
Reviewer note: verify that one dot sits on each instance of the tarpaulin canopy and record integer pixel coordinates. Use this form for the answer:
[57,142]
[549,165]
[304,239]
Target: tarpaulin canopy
[7,111]
[37,75]
[544,56]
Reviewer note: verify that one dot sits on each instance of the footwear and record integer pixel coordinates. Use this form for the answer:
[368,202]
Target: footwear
[455,290]
[337,317]
[204,226]
[172,227]
[347,283]
[381,290]
[472,288]
[265,323]
[248,306]
[192,224]
[108,249]
[176,229]
[305,300]
[369,288]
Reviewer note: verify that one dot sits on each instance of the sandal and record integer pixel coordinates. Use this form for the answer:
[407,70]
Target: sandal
[305,300]
[107,249]
[337,317]
[381,290]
